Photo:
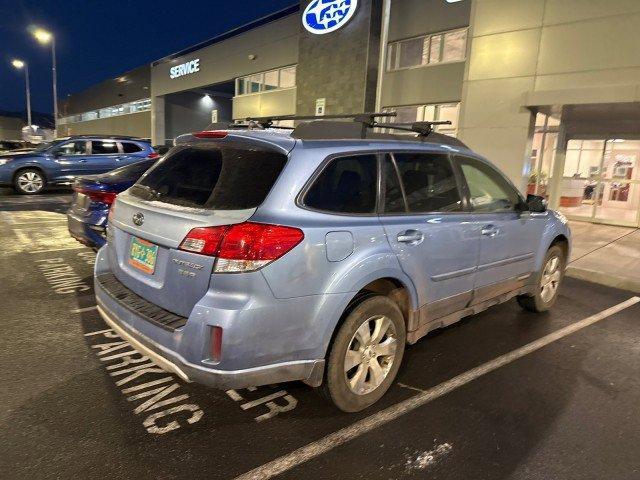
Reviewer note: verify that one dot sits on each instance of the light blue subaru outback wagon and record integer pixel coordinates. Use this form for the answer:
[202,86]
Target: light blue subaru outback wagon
[253,255]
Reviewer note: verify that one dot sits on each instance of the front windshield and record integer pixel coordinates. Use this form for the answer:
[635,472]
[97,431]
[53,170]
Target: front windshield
[46,145]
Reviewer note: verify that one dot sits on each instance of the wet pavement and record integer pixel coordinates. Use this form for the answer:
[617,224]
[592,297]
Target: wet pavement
[80,403]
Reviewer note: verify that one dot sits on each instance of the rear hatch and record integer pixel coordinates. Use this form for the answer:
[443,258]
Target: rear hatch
[197,185]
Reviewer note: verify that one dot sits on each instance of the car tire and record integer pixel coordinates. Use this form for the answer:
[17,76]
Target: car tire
[547,282]
[365,354]
[29,181]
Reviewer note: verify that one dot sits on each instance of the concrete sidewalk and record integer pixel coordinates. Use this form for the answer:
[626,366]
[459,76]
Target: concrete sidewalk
[606,254]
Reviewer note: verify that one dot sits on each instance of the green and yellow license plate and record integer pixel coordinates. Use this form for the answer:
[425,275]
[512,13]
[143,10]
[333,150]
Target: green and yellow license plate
[143,255]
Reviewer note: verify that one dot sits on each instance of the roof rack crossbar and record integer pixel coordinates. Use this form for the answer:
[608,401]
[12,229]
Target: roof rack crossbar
[368,119]
[421,128]
[110,137]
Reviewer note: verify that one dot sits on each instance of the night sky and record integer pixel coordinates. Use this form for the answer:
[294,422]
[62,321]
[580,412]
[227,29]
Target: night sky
[96,40]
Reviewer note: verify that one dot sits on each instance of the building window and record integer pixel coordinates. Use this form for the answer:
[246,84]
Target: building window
[89,116]
[443,47]
[288,77]
[255,83]
[136,106]
[140,105]
[428,113]
[266,81]
[271,80]
[411,53]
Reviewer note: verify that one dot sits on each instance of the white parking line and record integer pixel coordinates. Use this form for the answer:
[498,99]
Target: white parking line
[63,249]
[86,309]
[46,221]
[325,444]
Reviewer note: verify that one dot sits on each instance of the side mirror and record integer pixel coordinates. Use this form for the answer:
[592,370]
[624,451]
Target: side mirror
[536,203]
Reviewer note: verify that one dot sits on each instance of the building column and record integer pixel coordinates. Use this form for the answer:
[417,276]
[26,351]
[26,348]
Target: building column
[157,121]
[555,183]
[341,67]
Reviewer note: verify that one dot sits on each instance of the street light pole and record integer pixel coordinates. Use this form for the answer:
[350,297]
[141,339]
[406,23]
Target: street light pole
[26,77]
[55,88]
[20,64]
[43,36]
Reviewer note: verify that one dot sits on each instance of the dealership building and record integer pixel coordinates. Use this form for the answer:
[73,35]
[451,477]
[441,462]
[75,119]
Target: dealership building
[549,90]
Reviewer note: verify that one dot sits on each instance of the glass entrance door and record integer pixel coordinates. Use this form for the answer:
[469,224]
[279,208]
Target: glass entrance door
[601,181]
[618,196]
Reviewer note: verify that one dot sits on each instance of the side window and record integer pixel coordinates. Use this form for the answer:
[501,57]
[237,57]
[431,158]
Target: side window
[488,190]
[346,185]
[393,197]
[99,147]
[72,148]
[130,147]
[429,182]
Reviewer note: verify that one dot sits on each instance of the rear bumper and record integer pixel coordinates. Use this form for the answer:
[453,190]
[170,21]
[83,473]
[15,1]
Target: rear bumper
[248,359]
[309,371]
[85,232]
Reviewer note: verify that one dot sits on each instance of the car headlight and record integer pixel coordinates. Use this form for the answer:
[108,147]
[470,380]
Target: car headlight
[5,160]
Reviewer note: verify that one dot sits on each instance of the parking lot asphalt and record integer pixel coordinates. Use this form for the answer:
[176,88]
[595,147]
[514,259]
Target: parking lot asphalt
[77,402]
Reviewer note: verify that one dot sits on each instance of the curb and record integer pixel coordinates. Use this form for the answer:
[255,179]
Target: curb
[604,278]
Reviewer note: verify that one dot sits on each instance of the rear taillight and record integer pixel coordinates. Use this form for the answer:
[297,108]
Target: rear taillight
[210,134]
[204,240]
[243,247]
[153,155]
[97,196]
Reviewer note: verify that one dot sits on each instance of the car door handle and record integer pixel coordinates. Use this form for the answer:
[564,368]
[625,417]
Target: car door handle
[82,160]
[489,231]
[413,237]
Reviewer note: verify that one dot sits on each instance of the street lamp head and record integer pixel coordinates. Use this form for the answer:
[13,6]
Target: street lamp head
[17,63]
[43,36]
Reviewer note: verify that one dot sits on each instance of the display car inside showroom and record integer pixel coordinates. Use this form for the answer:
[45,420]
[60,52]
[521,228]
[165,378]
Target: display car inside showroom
[328,239]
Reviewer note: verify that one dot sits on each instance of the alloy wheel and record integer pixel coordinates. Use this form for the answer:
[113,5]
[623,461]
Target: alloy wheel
[370,354]
[550,279]
[30,182]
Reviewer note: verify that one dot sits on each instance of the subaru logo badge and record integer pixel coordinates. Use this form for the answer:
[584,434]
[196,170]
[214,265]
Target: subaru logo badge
[326,16]
[138,218]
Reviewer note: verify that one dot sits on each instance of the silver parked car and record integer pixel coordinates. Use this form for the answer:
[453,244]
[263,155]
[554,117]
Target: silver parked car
[249,256]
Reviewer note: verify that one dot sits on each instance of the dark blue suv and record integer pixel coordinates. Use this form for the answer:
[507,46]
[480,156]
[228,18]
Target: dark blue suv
[61,161]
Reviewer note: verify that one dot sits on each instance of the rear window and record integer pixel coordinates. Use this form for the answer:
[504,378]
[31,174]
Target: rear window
[130,147]
[346,185]
[101,148]
[221,178]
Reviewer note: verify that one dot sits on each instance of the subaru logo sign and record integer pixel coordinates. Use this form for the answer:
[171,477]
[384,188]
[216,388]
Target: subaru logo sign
[138,218]
[326,16]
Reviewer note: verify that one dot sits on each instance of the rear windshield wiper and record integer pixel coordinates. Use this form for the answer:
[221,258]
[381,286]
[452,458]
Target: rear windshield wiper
[151,194]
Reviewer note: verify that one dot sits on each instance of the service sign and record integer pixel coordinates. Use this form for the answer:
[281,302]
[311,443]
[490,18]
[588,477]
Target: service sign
[186,68]
[326,16]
